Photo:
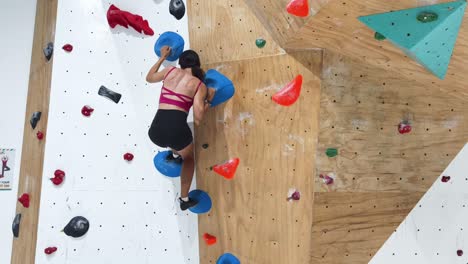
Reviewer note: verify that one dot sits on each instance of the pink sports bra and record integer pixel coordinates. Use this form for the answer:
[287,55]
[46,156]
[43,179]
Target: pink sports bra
[186,101]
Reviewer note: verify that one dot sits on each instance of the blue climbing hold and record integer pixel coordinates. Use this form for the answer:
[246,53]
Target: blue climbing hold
[222,85]
[204,202]
[228,258]
[173,40]
[167,168]
[429,42]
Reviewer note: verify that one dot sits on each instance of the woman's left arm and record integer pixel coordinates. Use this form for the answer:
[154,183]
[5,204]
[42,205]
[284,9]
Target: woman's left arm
[154,75]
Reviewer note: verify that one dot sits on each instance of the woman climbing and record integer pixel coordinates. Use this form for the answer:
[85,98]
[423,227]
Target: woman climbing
[182,88]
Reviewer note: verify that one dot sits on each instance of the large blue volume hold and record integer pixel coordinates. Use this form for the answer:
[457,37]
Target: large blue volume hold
[174,41]
[165,167]
[223,86]
[430,43]
[203,199]
[228,258]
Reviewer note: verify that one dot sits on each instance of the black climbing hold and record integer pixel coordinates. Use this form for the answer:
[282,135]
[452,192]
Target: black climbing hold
[36,116]
[16,225]
[77,227]
[379,36]
[177,9]
[426,17]
[205,146]
[103,91]
[49,50]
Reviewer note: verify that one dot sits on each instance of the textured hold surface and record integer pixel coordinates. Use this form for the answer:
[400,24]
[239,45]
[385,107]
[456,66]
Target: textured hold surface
[427,17]
[77,227]
[115,17]
[40,135]
[174,41]
[224,88]
[298,8]
[209,239]
[165,167]
[431,44]
[36,116]
[49,51]
[177,8]
[50,250]
[228,258]
[128,156]
[67,47]
[228,169]
[290,93]
[260,43]
[331,152]
[87,110]
[16,225]
[204,202]
[24,200]
[108,93]
[379,36]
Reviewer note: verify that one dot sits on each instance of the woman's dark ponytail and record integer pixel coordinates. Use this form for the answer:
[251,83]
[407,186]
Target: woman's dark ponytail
[198,72]
[190,59]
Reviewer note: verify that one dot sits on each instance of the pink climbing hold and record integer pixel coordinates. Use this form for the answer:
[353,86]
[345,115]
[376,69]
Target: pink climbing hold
[115,17]
[290,93]
[459,252]
[327,179]
[40,135]
[67,47]
[24,200]
[298,8]
[59,175]
[128,156]
[404,127]
[445,178]
[50,250]
[87,110]
[296,196]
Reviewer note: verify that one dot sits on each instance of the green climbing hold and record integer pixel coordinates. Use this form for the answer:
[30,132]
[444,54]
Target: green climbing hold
[331,152]
[426,17]
[260,43]
[379,36]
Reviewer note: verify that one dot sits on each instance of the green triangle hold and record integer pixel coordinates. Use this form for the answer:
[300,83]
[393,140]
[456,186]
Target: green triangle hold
[427,34]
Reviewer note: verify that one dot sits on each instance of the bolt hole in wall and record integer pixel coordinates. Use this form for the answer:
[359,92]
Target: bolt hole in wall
[131,208]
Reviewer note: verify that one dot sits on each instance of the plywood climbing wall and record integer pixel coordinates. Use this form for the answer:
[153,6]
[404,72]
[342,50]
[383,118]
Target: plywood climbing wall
[275,144]
[132,209]
[379,174]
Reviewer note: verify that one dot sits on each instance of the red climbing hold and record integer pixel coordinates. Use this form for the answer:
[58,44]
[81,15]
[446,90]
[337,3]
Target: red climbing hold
[128,156]
[459,252]
[24,200]
[87,110]
[50,250]
[296,196]
[445,178]
[67,47]
[40,135]
[404,128]
[298,8]
[115,17]
[327,179]
[59,176]
[290,93]
[209,239]
[228,169]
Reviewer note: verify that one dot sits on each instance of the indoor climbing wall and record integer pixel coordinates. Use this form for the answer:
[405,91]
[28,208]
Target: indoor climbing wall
[132,209]
[434,231]
[378,174]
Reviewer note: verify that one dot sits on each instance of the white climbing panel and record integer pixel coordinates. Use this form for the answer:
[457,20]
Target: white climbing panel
[437,227]
[132,209]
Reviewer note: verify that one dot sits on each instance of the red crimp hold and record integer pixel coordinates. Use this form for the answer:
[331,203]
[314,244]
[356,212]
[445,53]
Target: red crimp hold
[24,200]
[67,47]
[445,178]
[40,135]
[115,17]
[87,110]
[209,239]
[298,8]
[327,179]
[404,128]
[50,250]
[459,252]
[128,156]
[228,169]
[59,175]
[290,93]
[296,196]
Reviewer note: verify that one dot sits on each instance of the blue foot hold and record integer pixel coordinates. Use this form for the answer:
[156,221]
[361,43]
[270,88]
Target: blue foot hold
[167,168]
[222,85]
[228,258]
[173,40]
[204,202]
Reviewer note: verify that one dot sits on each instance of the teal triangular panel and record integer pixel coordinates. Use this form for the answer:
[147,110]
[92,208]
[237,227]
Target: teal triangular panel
[430,43]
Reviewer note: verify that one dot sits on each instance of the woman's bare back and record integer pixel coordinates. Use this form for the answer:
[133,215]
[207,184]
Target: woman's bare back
[182,82]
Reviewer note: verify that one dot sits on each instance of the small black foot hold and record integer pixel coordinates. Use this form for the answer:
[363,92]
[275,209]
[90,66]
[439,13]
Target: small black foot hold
[16,225]
[103,91]
[36,116]
[186,205]
[49,50]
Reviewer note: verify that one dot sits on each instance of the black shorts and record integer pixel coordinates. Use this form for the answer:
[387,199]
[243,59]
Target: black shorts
[170,130]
